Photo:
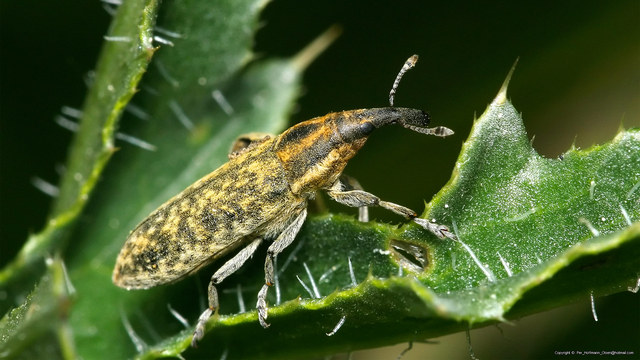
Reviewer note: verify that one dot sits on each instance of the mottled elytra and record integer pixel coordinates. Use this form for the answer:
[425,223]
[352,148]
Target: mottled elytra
[260,195]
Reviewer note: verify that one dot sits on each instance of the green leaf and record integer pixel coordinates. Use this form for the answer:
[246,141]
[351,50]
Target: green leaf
[42,316]
[123,60]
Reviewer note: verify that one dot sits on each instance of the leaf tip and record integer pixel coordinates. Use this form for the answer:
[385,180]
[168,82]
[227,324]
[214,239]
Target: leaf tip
[306,56]
[501,98]
[621,128]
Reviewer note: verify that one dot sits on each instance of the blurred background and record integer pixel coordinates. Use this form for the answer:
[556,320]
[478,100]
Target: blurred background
[577,82]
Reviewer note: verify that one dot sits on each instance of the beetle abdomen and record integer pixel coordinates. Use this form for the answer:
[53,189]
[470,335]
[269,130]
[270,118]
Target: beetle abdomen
[241,200]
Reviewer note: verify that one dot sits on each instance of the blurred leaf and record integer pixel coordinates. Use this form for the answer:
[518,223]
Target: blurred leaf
[42,316]
[124,58]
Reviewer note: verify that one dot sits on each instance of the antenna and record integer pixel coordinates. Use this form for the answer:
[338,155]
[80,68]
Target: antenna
[408,65]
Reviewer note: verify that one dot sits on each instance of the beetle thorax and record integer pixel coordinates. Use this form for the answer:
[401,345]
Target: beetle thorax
[314,154]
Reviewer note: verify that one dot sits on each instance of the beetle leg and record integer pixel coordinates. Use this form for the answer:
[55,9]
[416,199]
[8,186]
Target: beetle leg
[223,272]
[440,231]
[353,184]
[284,239]
[360,198]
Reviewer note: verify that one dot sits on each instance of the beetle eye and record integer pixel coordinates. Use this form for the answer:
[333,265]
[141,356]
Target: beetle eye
[367,127]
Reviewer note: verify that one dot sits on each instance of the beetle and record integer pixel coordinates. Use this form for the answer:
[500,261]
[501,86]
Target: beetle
[260,194]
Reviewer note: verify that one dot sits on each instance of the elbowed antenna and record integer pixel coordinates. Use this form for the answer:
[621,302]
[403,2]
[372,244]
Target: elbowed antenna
[408,65]
[412,119]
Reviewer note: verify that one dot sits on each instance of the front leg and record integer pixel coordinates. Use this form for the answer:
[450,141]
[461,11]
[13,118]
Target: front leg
[285,239]
[352,184]
[360,198]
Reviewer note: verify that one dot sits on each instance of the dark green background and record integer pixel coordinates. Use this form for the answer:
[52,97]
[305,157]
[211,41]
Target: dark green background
[577,80]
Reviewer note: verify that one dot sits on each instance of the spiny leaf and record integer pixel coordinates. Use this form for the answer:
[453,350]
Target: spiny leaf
[43,312]
[522,226]
[124,59]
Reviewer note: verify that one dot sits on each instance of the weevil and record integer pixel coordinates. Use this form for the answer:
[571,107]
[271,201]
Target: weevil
[260,194]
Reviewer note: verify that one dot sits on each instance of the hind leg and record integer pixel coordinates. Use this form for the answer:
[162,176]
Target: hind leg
[223,272]
[284,239]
